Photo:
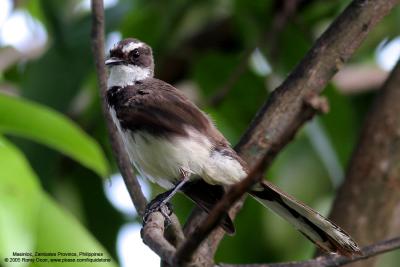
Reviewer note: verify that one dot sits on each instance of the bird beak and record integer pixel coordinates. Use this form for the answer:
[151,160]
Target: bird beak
[113,61]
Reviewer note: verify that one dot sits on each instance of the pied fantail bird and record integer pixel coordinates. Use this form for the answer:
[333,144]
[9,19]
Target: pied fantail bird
[171,142]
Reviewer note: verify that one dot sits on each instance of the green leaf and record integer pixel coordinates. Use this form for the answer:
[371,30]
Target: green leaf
[46,126]
[19,202]
[58,231]
[31,221]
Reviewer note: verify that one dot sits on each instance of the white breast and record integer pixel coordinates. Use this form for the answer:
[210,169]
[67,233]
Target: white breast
[160,159]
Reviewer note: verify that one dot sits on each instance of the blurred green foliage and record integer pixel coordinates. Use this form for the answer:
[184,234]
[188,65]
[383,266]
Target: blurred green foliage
[200,42]
[30,220]
[20,117]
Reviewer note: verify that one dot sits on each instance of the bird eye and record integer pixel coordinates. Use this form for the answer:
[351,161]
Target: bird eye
[135,53]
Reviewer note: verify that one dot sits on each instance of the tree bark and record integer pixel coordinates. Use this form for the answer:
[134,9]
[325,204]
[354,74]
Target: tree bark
[370,195]
[291,104]
[332,260]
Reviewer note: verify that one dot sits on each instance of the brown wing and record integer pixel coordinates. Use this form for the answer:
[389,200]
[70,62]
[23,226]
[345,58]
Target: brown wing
[157,107]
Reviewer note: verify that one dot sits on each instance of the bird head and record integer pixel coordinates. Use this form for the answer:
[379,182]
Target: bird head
[131,59]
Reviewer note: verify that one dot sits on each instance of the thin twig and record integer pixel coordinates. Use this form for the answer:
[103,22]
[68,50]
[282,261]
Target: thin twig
[287,11]
[175,232]
[192,242]
[221,92]
[333,260]
[278,23]
[132,184]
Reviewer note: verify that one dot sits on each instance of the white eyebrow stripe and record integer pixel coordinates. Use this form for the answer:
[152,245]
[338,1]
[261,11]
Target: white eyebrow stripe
[129,47]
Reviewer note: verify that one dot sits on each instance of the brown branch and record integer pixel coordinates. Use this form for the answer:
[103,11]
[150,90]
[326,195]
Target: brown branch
[333,260]
[153,236]
[372,185]
[285,111]
[192,242]
[132,184]
[175,233]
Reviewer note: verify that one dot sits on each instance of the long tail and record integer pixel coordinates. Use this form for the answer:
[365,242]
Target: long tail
[321,231]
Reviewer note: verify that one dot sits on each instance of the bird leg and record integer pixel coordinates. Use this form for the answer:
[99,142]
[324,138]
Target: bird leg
[161,202]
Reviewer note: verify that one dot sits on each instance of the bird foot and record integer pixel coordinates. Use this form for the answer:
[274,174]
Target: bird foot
[159,205]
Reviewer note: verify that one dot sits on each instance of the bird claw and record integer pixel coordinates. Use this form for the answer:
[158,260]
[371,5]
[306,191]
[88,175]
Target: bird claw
[157,205]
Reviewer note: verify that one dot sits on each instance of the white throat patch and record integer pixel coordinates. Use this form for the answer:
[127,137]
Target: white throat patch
[124,75]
